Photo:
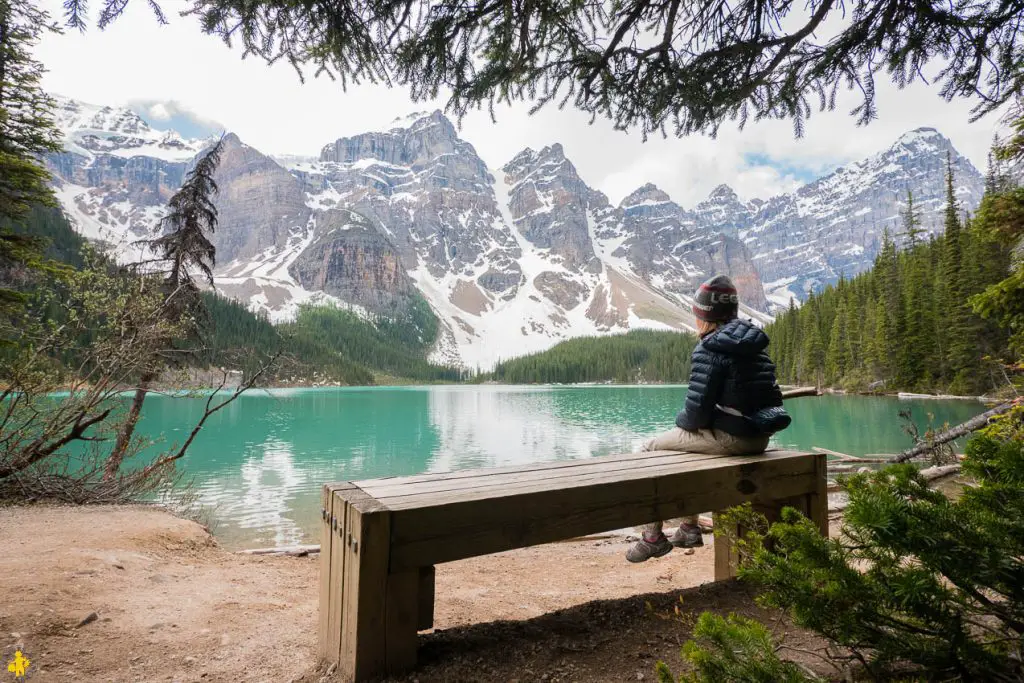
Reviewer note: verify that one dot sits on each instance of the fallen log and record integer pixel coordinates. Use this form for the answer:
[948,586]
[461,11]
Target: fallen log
[930,474]
[940,472]
[850,459]
[802,391]
[294,550]
[834,454]
[954,433]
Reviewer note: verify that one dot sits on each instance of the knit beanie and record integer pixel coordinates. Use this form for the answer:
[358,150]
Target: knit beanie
[716,300]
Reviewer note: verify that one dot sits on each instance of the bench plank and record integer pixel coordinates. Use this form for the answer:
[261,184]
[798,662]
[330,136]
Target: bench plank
[515,470]
[623,473]
[531,467]
[387,491]
[456,529]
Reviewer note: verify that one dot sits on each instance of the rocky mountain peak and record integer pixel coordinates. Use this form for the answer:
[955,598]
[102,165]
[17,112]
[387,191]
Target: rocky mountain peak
[550,160]
[723,211]
[919,143]
[725,192]
[647,194]
[554,152]
[523,159]
[415,140]
[434,118]
[74,115]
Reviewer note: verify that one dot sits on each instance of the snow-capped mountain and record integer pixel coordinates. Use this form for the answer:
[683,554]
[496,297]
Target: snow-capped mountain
[511,259]
[833,227]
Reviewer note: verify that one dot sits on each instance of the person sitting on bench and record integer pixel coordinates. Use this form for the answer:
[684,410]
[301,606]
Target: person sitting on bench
[733,404]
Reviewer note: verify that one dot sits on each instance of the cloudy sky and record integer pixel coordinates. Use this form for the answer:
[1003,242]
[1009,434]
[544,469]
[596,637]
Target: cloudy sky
[191,81]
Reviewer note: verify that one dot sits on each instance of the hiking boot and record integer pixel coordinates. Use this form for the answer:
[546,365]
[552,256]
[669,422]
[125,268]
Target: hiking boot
[687,536]
[645,549]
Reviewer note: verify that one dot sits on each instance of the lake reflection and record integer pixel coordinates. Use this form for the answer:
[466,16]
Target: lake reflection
[261,461]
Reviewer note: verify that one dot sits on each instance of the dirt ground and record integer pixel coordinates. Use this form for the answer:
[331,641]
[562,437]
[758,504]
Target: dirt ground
[171,605]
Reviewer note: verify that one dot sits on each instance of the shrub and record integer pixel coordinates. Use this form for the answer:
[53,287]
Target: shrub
[916,585]
[733,649]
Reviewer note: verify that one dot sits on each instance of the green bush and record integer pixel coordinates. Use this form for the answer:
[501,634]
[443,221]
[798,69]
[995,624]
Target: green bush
[733,649]
[917,584]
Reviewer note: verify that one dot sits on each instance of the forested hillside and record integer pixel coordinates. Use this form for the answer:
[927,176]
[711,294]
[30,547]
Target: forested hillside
[637,356]
[909,323]
[323,344]
[396,347]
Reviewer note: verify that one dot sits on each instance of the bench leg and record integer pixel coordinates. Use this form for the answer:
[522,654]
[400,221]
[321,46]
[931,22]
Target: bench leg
[409,607]
[813,505]
[332,571]
[726,557]
[402,607]
[726,553]
[817,502]
[425,618]
[363,653]
[324,612]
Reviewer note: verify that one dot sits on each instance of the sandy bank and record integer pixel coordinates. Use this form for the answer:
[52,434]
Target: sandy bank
[172,605]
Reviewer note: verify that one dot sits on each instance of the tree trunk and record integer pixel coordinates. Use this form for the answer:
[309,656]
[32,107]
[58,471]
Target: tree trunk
[954,433]
[124,436]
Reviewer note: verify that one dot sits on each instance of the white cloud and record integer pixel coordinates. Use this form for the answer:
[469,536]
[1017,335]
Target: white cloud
[175,115]
[159,112]
[137,60]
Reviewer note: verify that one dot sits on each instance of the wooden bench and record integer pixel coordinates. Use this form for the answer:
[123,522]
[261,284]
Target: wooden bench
[381,538]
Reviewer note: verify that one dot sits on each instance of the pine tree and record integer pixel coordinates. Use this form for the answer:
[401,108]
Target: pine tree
[813,349]
[955,328]
[793,342]
[890,300]
[919,338]
[27,129]
[185,244]
[917,585]
[27,132]
[183,247]
[912,230]
[835,357]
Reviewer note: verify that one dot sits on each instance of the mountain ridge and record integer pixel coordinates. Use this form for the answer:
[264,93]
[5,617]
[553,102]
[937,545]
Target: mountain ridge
[511,260]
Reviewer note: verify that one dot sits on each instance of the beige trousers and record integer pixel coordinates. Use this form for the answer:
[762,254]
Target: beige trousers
[705,441]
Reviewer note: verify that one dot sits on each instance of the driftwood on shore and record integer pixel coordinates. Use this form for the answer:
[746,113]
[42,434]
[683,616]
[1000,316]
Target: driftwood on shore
[930,474]
[292,550]
[846,458]
[800,391]
[954,433]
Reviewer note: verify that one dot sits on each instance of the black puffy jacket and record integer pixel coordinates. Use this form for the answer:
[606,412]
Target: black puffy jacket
[730,368]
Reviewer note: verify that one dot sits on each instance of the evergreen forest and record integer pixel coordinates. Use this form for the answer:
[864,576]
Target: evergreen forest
[914,322]
[636,356]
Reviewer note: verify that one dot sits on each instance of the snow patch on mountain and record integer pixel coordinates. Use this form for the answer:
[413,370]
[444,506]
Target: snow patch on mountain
[92,129]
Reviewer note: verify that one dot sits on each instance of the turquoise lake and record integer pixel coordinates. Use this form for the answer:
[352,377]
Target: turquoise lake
[259,463]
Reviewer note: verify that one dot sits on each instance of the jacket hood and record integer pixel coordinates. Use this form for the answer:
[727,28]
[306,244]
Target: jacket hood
[737,338]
